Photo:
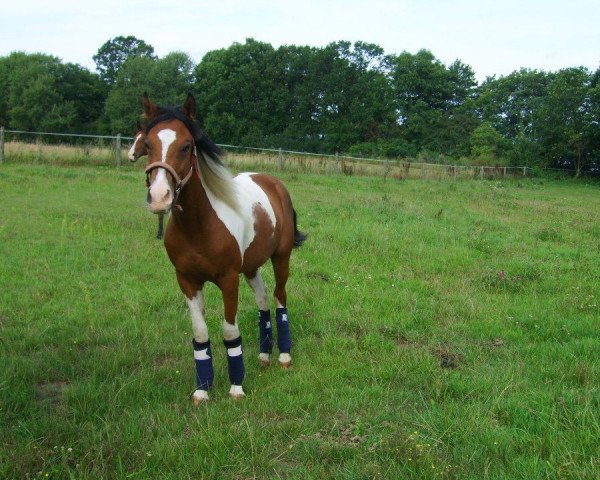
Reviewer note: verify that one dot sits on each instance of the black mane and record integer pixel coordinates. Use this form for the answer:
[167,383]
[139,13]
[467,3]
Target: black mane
[201,140]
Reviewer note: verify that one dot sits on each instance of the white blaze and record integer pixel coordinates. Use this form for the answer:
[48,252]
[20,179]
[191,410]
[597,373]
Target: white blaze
[160,186]
[131,152]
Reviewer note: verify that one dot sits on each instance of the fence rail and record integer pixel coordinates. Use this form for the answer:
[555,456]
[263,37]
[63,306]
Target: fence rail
[395,168]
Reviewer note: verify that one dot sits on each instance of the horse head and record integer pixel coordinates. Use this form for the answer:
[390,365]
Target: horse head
[138,148]
[170,142]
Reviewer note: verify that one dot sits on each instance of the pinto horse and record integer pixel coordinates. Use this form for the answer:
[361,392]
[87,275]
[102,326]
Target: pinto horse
[220,227]
[137,150]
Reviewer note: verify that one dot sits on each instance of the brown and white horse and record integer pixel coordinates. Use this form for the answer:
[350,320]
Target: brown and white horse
[136,151]
[220,227]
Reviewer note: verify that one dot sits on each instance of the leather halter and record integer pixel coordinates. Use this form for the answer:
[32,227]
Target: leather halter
[179,183]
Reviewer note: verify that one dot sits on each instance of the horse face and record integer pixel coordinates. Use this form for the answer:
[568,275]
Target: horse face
[138,148]
[170,143]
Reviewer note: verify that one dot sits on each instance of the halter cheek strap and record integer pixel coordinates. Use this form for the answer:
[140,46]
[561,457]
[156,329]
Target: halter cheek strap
[179,183]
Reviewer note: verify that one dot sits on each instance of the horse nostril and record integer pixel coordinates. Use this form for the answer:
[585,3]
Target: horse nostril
[148,197]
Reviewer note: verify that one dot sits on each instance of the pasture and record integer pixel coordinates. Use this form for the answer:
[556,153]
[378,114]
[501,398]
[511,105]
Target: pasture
[442,329]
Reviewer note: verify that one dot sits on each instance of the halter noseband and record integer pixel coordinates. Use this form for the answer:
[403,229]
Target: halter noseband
[179,183]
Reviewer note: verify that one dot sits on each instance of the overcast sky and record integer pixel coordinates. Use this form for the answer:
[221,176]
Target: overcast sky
[495,37]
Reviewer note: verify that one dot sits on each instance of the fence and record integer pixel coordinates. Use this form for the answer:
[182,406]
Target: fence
[105,149]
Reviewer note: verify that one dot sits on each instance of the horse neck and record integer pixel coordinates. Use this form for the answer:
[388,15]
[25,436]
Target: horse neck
[193,210]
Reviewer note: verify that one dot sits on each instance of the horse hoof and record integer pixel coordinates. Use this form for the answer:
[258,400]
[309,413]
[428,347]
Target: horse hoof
[236,392]
[264,359]
[285,360]
[199,396]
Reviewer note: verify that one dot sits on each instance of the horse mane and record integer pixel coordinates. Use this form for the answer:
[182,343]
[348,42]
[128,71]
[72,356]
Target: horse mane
[215,175]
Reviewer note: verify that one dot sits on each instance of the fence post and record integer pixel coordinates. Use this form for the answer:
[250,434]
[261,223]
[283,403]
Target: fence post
[118,150]
[504,175]
[481,173]
[1,145]
[280,159]
[524,171]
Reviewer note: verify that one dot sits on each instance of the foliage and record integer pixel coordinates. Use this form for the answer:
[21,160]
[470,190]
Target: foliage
[39,92]
[114,53]
[168,79]
[344,97]
[485,144]
[567,126]
[431,101]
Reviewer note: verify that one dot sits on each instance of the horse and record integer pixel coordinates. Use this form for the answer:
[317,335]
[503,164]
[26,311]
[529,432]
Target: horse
[221,227]
[137,150]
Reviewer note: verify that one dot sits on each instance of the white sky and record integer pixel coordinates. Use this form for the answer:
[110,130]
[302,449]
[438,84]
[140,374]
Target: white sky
[492,36]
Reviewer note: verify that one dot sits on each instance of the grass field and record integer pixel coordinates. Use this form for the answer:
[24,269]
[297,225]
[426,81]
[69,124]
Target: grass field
[442,330]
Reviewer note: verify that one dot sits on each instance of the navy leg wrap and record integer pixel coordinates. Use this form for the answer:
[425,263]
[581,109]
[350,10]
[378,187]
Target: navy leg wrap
[235,360]
[204,368]
[284,338]
[265,331]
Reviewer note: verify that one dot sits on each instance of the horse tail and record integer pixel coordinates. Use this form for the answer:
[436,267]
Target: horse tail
[299,237]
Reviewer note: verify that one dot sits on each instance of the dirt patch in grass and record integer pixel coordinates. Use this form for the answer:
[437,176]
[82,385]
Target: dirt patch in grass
[448,357]
[318,276]
[50,392]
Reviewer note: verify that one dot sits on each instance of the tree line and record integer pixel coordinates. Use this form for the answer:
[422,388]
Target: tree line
[345,97]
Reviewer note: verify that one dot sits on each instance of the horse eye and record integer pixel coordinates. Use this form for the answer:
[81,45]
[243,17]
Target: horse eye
[147,145]
[185,149]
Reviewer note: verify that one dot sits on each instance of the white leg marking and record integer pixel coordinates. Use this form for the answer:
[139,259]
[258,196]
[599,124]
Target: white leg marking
[230,332]
[264,359]
[285,359]
[260,292]
[236,391]
[278,303]
[199,396]
[196,306]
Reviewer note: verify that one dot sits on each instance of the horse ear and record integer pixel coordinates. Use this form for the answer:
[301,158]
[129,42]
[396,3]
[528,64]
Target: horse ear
[189,106]
[150,109]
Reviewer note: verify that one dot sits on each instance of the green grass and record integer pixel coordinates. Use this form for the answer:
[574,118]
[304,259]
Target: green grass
[441,329]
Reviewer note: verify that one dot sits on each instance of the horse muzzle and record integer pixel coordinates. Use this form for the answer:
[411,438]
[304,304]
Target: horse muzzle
[161,196]
[160,199]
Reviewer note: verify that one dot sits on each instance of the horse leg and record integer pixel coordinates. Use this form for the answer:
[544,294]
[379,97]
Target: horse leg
[231,334]
[281,268]
[265,330]
[201,342]
[161,217]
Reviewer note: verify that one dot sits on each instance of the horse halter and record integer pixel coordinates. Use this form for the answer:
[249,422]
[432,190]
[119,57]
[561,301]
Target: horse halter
[179,183]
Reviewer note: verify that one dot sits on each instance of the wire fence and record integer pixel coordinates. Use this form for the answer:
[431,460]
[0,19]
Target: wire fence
[77,149]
